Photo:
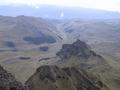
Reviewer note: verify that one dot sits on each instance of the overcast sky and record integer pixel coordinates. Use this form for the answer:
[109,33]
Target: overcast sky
[111,5]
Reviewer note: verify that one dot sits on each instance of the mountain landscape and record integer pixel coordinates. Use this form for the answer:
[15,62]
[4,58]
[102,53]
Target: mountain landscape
[59,48]
[80,55]
[73,59]
[55,78]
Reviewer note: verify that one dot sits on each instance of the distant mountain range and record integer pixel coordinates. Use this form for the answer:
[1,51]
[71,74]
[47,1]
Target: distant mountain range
[57,12]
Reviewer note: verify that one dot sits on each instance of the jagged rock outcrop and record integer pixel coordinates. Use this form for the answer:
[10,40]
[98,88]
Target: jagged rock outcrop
[80,54]
[78,48]
[8,81]
[55,78]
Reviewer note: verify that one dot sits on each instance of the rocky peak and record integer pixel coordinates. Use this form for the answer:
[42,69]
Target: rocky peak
[78,48]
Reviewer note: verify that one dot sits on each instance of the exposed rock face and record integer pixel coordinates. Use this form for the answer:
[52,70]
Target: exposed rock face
[79,54]
[8,82]
[78,48]
[55,78]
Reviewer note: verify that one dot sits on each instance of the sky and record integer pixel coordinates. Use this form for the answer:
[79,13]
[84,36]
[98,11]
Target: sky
[110,5]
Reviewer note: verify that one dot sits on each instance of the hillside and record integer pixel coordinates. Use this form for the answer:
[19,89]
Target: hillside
[76,56]
[55,78]
[80,55]
[52,78]
[102,35]
[26,30]
[23,40]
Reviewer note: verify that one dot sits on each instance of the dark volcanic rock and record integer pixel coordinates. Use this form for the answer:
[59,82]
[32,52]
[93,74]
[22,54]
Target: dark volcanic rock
[67,78]
[45,72]
[8,82]
[78,48]
[80,54]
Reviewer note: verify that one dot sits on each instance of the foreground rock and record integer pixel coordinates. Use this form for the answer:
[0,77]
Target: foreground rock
[55,78]
[8,82]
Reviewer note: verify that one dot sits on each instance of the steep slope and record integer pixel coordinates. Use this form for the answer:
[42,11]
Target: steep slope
[80,55]
[72,58]
[8,82]
[55,78]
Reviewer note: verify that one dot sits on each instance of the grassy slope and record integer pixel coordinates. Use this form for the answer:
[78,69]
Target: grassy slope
[110,76]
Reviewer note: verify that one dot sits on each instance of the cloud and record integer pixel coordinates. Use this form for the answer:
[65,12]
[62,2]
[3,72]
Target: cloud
[113,5]
[62,14]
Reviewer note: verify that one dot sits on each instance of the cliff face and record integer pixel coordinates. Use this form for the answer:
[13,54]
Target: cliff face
[8,81]
[55,78]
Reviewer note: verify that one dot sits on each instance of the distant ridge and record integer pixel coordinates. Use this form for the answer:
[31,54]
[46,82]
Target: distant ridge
[54,12]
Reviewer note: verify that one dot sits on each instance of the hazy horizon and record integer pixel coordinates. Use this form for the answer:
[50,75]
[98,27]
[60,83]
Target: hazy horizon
[108,5]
